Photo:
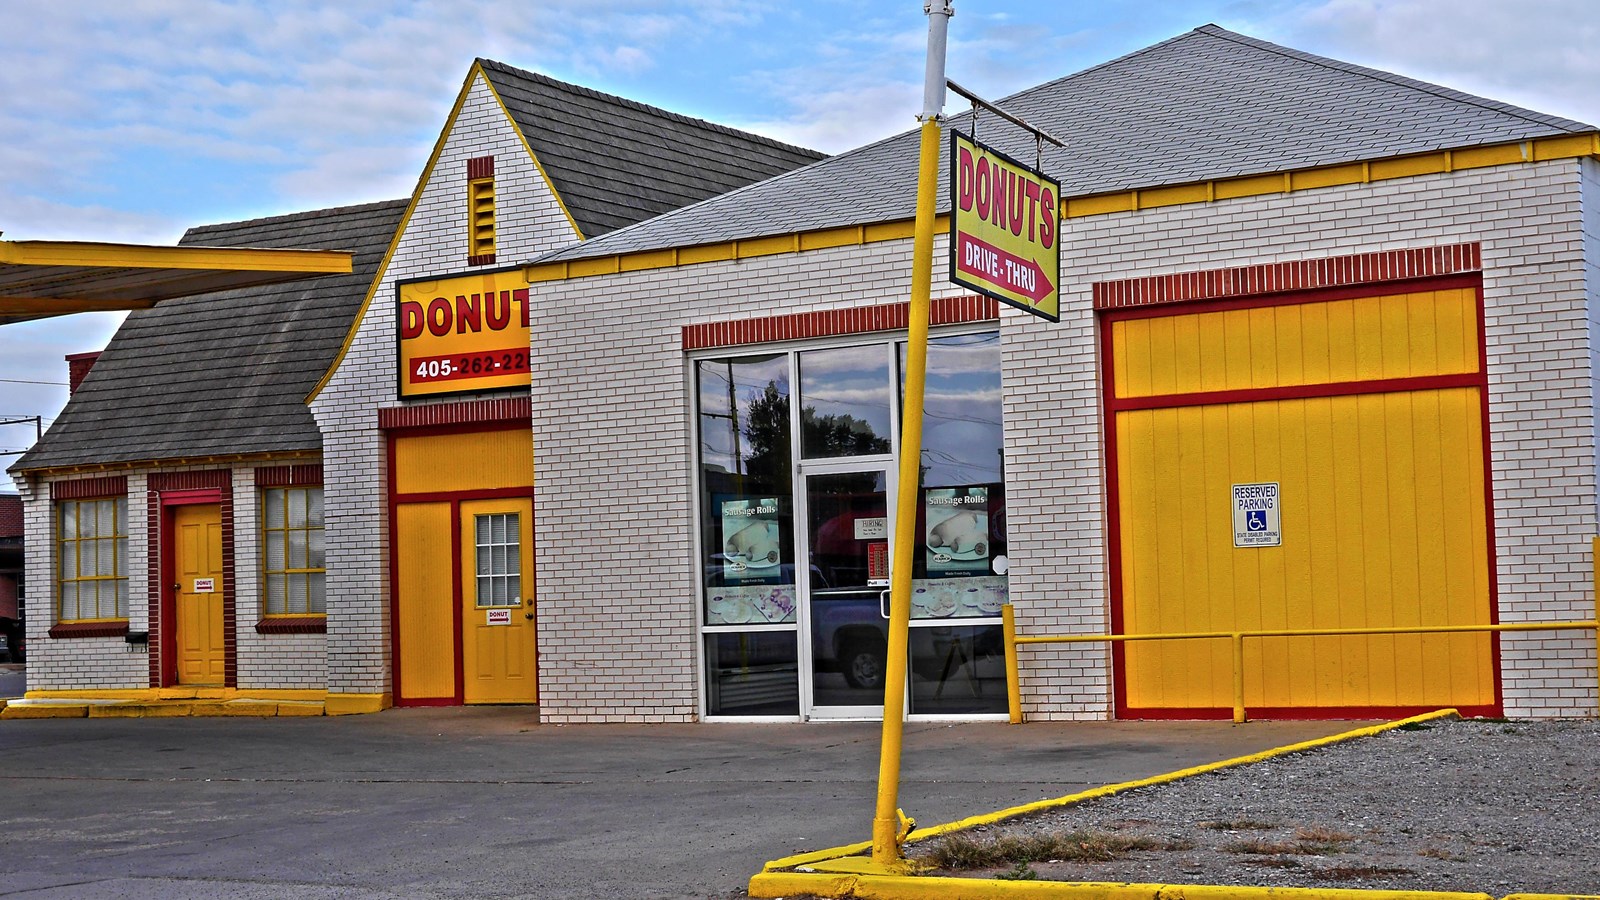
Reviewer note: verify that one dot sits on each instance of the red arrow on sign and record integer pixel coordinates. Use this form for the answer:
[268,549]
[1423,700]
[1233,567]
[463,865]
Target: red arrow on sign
[1002,268]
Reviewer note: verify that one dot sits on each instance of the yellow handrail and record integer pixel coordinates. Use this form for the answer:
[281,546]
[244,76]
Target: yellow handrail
[1013,681]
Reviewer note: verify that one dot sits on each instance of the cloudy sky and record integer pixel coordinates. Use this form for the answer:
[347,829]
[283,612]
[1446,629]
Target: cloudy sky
[133,119]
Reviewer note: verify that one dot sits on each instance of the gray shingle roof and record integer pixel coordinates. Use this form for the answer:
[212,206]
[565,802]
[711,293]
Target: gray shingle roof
[229,372]
[1207,104]
[615,162]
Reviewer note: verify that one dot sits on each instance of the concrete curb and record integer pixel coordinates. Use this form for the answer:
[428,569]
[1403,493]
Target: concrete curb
[78,708]
[790,875]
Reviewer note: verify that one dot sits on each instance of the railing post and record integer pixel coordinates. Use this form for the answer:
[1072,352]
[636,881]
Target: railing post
[1238,678]
[1595,564]
[1013,681]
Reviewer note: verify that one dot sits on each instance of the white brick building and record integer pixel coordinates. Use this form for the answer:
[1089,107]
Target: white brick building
[1389,322]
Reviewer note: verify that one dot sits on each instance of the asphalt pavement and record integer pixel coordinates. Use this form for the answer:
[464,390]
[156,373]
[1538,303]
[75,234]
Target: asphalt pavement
[486,802]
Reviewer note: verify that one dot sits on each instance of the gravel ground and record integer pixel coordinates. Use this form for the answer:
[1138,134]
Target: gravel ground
[1494,807]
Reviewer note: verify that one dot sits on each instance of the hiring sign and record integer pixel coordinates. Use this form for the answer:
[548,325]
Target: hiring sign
[467,333]
[1003,228]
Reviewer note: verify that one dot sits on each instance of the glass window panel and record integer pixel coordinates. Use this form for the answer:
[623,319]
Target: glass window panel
[69,601]
[844,402]
[317,556]
[69,520]
[314,507]
[274,501]
[514,589]
[276,558]
[962,435]
[88,559]
[297,549]
[122,556]
[483,530]
[277,594]
[753,674]
[958,670]
[513,528]
[319,602]
[122,598]
[298,513]
[498,565]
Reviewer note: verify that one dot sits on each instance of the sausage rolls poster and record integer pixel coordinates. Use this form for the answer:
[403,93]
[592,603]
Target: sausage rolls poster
[958,530]
[751,550]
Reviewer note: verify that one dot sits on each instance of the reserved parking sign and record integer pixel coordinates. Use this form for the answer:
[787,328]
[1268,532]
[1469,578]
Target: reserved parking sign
[1256,519]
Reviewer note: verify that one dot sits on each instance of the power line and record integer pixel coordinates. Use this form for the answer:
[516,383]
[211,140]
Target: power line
[27,381]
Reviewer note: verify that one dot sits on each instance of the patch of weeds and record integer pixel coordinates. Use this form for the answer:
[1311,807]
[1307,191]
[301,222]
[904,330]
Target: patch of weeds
[1308,841]
[1019,872]
[961,852]
[1352,873]
[1441,853]
[1240,824]
[1274,862]
[1261,847]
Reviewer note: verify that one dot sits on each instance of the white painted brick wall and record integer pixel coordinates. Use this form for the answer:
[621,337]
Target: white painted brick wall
[264,661]
[611,428]
[528,221]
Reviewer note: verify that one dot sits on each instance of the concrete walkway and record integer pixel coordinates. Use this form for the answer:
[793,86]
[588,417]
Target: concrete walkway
[487,803]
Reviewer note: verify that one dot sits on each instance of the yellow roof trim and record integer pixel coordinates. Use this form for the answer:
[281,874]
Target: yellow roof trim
[145,256]
[60,306]
[394,243]
[1360,172]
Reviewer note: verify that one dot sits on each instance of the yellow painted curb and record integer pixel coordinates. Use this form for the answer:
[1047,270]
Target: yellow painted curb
[168,710]
[891,887]
[356,704]
[863,885]
[1551,897]
[117,711]
[234,708]
[45,711]
[299,708]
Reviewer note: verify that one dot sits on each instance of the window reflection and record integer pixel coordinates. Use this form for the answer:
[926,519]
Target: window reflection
[961,432]
[845,402]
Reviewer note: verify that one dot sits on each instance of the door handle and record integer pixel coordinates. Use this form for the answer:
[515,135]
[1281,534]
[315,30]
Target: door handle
[177,588]
[883,603]
[528,616]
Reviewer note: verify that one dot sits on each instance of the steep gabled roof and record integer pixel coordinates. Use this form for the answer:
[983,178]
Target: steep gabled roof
[225,373]
[615,162]
[1208,104]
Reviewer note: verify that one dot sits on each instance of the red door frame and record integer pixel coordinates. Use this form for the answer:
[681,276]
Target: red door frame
[168,638]
[1111,405]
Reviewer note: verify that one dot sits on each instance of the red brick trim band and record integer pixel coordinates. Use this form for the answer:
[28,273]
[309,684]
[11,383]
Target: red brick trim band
[85,488]
[469,412]
[480,167]
[833,322]
[481,259]
[1299,275]
[308,475]
[88,629]
[318,625]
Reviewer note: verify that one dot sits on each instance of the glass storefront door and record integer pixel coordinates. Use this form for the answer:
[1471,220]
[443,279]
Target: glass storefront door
[849,527]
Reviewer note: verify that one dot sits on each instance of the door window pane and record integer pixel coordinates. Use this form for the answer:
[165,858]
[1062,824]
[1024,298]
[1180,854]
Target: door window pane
[958,669]
[499,554]
[844,402]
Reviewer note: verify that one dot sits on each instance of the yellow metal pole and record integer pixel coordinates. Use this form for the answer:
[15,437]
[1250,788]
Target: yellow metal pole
[1238,677]
[1008,627]
[886,835]
[1596,566]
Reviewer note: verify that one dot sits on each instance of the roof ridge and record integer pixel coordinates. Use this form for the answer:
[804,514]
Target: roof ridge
[643,107]
[326,212]
[1427,87]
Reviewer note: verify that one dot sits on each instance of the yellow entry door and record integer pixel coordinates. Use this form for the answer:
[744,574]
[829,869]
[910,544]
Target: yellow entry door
[498,663]
[201,638]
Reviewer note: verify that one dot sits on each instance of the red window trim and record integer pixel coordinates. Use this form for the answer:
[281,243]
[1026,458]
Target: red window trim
[88,629]
[293,625]
[103,488]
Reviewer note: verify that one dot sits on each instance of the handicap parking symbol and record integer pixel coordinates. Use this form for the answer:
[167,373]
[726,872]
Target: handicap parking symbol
[1255,520]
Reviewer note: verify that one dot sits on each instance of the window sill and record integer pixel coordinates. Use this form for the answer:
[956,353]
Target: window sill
[295,625]
[88,629]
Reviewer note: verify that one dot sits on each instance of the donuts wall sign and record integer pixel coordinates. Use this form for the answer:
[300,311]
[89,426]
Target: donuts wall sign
[467,333]
[1003,228]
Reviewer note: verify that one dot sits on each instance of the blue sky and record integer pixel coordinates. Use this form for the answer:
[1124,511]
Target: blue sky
[131,120]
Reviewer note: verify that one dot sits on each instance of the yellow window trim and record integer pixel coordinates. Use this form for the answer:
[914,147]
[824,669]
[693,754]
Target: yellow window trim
[295,615]
[416,195]
[1361,172]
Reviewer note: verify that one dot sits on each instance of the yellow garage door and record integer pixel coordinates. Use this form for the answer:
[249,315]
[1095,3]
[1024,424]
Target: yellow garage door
[1367,412]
